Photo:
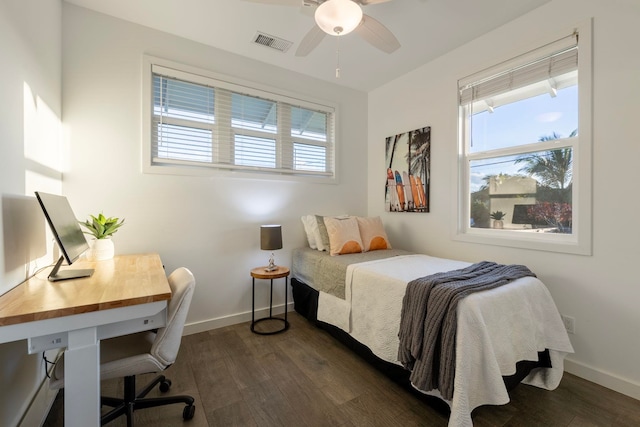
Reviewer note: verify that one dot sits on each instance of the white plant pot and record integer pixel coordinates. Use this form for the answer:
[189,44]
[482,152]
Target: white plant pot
[101,249]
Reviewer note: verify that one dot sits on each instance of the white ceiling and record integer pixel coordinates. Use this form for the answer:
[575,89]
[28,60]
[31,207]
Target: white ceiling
[425,29]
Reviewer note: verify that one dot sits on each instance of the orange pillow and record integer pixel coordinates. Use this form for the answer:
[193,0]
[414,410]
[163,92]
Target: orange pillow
[344,235]
[372,234]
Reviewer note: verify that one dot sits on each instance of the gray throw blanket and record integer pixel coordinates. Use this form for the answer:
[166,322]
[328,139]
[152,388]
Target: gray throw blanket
[429,320]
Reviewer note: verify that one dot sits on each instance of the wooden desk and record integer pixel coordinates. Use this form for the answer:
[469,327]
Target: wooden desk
[125,295]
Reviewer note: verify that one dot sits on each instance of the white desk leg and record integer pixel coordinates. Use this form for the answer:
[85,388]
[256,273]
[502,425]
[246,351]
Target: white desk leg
[82,379]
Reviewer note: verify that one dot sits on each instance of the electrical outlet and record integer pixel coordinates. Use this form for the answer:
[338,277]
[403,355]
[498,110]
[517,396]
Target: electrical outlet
[569,324]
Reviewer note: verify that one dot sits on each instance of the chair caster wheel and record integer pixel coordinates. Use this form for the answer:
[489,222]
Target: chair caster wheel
[188,412]
[165,385]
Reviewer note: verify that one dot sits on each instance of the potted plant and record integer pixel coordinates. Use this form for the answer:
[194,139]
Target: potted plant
[102,228]
[497,217]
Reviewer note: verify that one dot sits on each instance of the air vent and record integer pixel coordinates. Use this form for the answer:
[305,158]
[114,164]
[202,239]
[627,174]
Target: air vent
[273,42]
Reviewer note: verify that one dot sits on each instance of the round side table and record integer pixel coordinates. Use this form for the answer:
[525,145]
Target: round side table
[262,273]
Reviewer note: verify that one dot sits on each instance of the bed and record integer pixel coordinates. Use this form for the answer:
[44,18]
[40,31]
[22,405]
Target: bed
[504,336]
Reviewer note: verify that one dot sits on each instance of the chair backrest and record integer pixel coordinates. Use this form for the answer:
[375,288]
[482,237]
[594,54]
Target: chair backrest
[167,342]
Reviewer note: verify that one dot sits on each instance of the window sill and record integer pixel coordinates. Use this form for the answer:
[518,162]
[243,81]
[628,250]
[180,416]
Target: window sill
[243,174]
[533,239]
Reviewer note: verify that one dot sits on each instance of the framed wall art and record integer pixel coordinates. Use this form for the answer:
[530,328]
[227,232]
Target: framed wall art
[408,161]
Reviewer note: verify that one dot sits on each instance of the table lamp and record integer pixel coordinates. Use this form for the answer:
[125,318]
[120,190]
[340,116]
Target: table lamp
[270,240]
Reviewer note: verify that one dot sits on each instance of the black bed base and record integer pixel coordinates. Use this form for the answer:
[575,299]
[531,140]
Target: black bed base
[306,303]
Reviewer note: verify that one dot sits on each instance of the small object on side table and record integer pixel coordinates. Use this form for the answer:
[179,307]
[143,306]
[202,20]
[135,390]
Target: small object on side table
[262,273]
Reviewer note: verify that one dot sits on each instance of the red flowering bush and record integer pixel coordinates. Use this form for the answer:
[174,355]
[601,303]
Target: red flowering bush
[557,215]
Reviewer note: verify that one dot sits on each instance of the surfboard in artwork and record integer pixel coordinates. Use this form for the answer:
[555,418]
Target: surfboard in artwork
[421,192]
[394,205]
[400,190]
[391,193]
[407,191]
[414,192]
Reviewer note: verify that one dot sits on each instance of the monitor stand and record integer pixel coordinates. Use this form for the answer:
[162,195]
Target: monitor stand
[57,274]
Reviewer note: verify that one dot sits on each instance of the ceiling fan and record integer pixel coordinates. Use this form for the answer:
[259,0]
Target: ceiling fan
[338,18]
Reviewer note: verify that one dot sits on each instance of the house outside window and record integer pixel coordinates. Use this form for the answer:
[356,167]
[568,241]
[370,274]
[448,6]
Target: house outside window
[199,123]
[524,150]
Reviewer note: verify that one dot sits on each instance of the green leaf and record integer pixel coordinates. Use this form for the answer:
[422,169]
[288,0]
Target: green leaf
[101,226]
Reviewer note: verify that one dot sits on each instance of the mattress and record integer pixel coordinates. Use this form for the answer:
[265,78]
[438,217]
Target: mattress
[496,330]
[327,273]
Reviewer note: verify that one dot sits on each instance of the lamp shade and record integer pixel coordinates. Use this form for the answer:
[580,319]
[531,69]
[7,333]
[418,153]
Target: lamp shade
[270,237]
[338,17]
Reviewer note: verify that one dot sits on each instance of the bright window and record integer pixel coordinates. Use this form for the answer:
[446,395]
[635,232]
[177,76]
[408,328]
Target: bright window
[200,122]
[525,151]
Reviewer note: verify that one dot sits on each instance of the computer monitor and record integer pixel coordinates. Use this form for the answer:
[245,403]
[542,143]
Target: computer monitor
[67,232]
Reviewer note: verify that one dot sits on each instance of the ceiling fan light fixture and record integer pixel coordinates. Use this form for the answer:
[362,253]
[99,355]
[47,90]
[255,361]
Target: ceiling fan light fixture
[338,17]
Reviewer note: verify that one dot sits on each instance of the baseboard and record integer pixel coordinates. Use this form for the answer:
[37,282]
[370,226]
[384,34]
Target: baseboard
[605,379]
[234,319]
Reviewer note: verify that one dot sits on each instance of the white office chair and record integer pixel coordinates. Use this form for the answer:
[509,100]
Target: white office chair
[142,353]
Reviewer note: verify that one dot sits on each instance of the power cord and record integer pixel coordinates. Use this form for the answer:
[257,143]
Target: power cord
[46,364]
[35,272]
[40,269]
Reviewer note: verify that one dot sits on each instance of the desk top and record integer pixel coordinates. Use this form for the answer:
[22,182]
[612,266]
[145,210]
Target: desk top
[122,281]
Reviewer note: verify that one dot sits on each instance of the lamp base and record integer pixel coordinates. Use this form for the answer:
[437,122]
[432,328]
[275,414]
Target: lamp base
[272,265]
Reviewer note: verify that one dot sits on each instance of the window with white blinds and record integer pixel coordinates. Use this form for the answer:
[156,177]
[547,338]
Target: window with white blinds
[524,151]
[203,122]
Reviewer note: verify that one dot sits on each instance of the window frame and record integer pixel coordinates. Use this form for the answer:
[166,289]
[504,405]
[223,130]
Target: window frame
[227,85]
[579,241]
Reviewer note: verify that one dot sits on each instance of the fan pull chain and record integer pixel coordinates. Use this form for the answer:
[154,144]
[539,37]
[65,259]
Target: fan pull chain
[338,56]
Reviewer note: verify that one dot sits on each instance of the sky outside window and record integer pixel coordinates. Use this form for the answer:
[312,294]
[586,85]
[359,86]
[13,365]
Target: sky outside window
[521,123]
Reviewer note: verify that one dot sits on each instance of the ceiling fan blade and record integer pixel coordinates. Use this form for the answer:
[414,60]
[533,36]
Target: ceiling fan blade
[308,10]
[307,7]
[310,41]
[377,34]
[368,2]
[278,2]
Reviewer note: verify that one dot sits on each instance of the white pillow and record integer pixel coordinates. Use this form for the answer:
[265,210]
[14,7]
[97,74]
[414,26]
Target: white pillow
[320,233]
[310,225]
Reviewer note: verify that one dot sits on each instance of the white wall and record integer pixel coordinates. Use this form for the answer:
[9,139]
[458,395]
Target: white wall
[30,88]
[601,291]
[210,225]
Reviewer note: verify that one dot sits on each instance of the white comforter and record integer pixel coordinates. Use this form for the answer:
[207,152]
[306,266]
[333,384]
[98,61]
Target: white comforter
[496,328]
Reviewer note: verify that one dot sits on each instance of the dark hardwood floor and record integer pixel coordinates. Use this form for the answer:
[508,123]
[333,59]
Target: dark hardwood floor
[303,377]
